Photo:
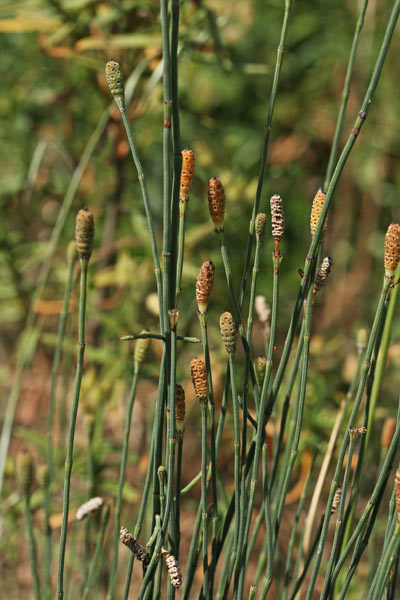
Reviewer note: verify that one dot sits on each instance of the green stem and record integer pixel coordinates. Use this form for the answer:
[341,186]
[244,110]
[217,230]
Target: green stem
[295,526]
[50,424]
[183,202]
[276,258]
[372,502]
[193,553]
[97,554]
[382,358]
[118,503]
[204,516]
[286,406]
[167,102]
[90,488]
[268,521]
[358,124]
[384,567]
[176,142]
[31,546]
[339,522]
[213,465]
[264,152]
[143,186]
[345,94]
[352,418]
[71,433]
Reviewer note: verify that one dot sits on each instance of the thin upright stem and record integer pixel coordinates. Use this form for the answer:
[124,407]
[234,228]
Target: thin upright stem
[339,522]
[118,502]
[213,465]
[204,516]
[266,137]
[146,202]
[50,423]
[97,554]
[71,433]
[345,94]
[176,142]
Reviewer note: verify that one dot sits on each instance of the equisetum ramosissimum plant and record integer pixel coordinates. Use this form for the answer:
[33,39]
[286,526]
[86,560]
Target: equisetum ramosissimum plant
[244,539]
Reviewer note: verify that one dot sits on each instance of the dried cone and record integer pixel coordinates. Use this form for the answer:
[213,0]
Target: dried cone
[187,173]
[336,499]
[323,273]
[392,249]
[141,348]
[25,470]
[134,546]
[204,284]
[228,331]
[84,233]
[277,217]
[260,225]
[260,364]
[180,410]
[216,203]
[199,378]
[173,569]
[388,430]
[316,209]
[397,490]
[114,78]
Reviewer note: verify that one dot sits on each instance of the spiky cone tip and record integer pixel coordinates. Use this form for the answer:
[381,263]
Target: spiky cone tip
[25,471]
[187,174]
[204,283]
[277,220]
[84,233]
[180,410]
[115,81]
[199,379]
[317,205]
[392,249]
[228,331]
[216,203]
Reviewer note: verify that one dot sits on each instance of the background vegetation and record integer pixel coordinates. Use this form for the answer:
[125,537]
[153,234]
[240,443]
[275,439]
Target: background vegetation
[52,96]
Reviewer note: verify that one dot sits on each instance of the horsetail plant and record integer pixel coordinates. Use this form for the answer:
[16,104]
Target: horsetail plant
[84,234]
[202,390]
[163,477]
